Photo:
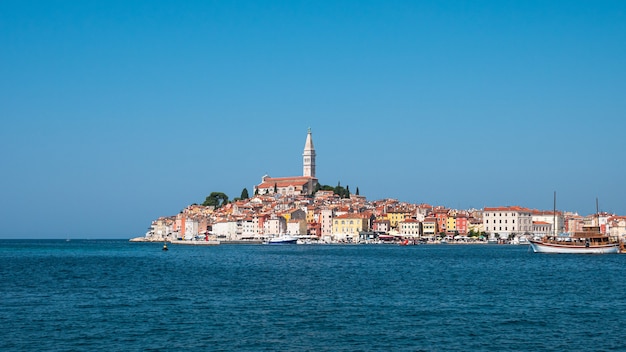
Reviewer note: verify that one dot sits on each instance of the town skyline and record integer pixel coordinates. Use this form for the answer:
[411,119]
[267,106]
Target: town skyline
[117,114]
[328,217]
[291,185]
[299,206]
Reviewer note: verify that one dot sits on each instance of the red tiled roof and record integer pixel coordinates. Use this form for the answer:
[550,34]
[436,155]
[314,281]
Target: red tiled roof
[512,208]
[350,216]
[283,183]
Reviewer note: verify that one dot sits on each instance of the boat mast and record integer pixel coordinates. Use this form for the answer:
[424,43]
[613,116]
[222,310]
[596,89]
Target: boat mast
[554,216]
[597,215]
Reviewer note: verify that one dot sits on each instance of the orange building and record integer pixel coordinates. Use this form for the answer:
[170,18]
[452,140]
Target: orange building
[441,215]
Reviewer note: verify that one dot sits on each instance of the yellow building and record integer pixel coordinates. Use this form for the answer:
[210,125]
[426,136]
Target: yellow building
[310,214]
[349,224]
[451,224]
[395,217]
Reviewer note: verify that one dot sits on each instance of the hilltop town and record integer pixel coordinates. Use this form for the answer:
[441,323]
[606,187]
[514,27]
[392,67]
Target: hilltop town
[298,206]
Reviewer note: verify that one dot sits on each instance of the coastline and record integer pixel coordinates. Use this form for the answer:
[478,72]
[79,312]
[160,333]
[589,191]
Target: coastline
[384,243]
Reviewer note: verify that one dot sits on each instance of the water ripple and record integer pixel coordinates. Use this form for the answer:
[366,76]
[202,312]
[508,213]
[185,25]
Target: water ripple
[112,295]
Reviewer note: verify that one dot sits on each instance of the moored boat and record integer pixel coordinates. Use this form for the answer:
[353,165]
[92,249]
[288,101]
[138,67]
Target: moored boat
[591,240]
[578,243]
[284,239]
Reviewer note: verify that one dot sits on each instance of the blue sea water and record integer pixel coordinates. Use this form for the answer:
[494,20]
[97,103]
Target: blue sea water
[87,295]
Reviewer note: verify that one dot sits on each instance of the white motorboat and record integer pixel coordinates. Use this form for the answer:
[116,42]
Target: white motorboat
[284,239]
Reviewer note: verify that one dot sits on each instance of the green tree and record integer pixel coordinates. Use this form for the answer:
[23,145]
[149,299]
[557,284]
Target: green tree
[338,190]
[216,199]
[357,191]
[341,192]
[244,194]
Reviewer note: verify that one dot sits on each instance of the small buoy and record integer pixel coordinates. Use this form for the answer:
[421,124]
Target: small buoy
[165,247]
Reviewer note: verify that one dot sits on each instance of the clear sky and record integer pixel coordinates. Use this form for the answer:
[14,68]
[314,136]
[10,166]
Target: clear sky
[117,112]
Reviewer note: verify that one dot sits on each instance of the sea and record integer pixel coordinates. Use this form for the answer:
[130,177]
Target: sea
[114,295]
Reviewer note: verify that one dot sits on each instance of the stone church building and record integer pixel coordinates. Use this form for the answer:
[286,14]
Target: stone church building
[293,185]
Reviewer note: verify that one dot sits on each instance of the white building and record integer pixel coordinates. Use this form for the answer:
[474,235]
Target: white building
[248,228]
[275,226]
[191,229]
[542,228]
[296,227]
[409,227]
[225,230]
[549,217]
[383,226]
[161,228]
[507,220]
[326,222]
[617,227]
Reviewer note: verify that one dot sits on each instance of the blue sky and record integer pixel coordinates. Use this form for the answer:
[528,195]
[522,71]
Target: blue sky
[115,113]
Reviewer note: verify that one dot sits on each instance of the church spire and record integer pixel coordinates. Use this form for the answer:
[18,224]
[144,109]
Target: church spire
[308,157]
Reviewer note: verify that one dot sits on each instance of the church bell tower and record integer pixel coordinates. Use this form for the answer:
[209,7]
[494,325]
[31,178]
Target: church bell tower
[308,157]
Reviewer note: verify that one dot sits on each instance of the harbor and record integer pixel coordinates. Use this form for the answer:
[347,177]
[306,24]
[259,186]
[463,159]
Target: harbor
[306,211]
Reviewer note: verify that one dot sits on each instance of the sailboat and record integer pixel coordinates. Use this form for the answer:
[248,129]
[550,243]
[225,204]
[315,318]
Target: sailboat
[590,240]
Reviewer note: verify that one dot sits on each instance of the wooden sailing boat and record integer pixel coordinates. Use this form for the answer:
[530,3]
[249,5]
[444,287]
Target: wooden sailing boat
[589,240]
